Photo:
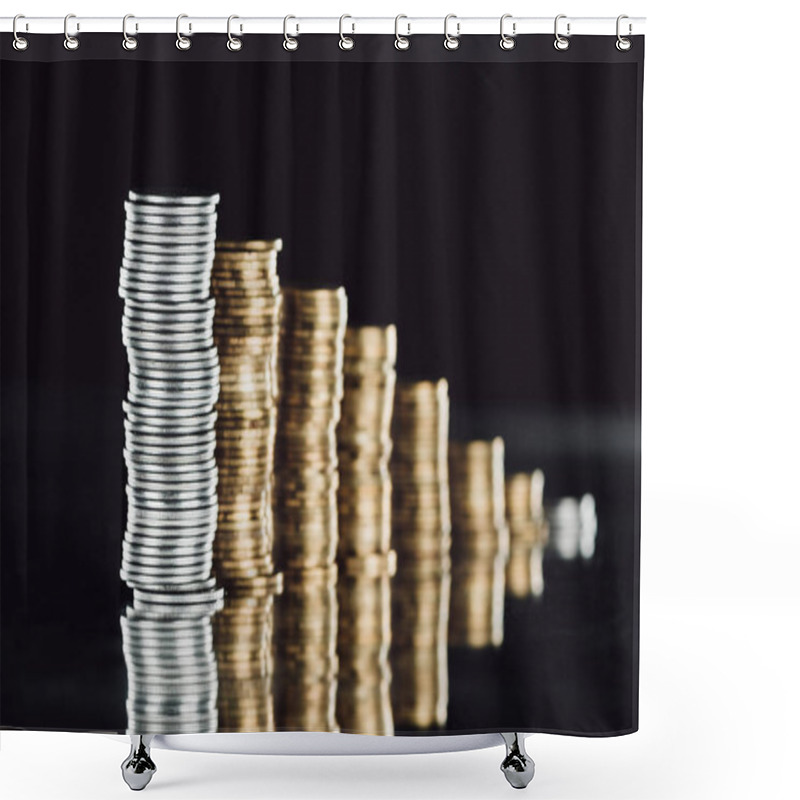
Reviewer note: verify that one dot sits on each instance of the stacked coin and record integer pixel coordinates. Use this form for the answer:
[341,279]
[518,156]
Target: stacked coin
[421,537]
[364,441]
[248,299]
[480,543]
[365,562]
[363,702]
[573,526]
[169,655]
[310,390]
[306,665]
[243,643]
[173,386]
[528,531]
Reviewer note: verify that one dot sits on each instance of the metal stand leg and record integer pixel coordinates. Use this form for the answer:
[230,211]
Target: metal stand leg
[138,768]
[517,766]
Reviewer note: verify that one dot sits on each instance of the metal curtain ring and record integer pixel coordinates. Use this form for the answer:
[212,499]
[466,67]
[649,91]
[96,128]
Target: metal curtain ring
[234,43]
[507,42]
[289,42]
[20,42]
[401,42]
[129,42]
[182,42]
[451,42]
[623,44]
[561,42]
[70,42]
[346,42]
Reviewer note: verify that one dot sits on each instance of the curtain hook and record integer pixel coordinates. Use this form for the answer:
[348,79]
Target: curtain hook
[451,42]
[70,42]
[507,42]
[129,42]
[346,42]
[561,42]
[289,42]
[20,42]
[623,44]
[234,43]
[401,42]
[182,42]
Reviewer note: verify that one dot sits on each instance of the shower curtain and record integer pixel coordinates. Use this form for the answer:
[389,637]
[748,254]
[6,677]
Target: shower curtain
[320,385]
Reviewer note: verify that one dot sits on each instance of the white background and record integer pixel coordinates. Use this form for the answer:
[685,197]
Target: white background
[721,402]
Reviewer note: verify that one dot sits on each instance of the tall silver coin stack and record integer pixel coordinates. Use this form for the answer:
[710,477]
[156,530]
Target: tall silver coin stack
[167,329]
[172,669]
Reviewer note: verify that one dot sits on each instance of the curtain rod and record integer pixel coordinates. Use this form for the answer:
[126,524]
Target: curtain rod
[404,25]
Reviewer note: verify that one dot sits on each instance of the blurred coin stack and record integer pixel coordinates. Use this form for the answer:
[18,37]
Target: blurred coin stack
[480,543]
[313,322]
[173,386]
[421,538]
[168,648]
[310,378]
[305,651]
[573,527]
[366,564]
[528,532]
[243,644]
[246,327]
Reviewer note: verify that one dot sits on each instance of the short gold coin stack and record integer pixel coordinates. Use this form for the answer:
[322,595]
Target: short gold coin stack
[480,543]
[313,323]
[366,564]
[421,538]
[529,533]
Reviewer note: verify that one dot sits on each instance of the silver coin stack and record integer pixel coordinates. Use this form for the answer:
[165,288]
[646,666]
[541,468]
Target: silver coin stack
[172,670]
[167,329]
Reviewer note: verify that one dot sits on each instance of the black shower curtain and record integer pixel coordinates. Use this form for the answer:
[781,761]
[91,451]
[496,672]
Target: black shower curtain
[486,203]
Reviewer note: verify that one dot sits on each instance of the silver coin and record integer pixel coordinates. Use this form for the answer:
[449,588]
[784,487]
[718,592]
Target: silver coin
[181,597]
[170,537]
[169,340]
[158,634]
[142,467]
[165,550]
[153,215]
[175,383]
[179,704]
[165,319]
[137,499]
[174,496]
[134,561]
[151,425]
[173,198]
[171,308]
[171,376]
[137,441]
[165,406]
[132,277]
[140,578]
[133,228]
[154,398]
[203,207]
[203,361]
[160,268]
[187,235]
[204,326]
[200,249]
[185,512]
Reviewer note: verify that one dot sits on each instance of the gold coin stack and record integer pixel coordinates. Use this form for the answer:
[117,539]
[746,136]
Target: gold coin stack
[529,533]
[421,538]
[364,441]
[366,564]
[243,644]
[306,665]
[306,469]
[311,384]
[246,326]
[480,543]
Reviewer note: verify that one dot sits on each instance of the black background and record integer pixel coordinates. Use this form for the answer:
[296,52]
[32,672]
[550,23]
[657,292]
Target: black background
[488,203]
